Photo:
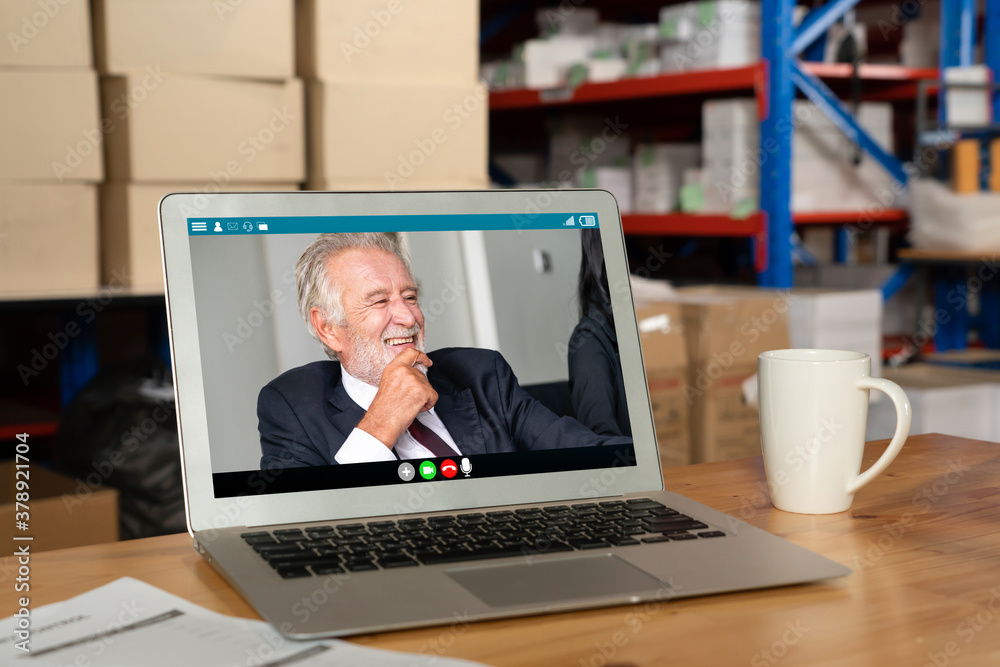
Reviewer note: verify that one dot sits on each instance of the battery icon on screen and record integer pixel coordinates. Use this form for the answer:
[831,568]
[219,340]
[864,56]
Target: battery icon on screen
[587,221]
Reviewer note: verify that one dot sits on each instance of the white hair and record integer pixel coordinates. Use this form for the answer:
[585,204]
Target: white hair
[317,288]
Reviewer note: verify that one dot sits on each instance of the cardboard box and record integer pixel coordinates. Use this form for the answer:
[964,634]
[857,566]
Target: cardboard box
[161,127]
[965,166]
[723,425]
[45,34]
[670,415]
[995,165]
[724,330]
[130,232]
[357,131]
[206,37]
[944,400]
[388,41]
[730,326]
[49,126]
[48,238]
[392,184]
[60,517]
[661,335]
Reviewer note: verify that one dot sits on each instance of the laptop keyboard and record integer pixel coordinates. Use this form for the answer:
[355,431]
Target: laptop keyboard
[532,531]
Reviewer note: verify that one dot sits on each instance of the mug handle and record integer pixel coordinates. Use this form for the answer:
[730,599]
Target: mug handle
[904,415]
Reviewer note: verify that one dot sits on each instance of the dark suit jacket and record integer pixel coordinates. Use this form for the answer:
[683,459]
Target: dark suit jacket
[305,414]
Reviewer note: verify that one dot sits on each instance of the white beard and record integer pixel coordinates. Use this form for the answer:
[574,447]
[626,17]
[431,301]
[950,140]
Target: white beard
[370,355]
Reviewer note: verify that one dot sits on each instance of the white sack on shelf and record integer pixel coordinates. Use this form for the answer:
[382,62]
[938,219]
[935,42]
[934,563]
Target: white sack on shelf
[940,219]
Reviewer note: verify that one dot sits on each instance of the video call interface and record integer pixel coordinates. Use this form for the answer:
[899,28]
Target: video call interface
[336,401]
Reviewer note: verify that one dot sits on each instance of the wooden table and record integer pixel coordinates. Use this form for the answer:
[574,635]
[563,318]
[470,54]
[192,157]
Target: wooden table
[923,540]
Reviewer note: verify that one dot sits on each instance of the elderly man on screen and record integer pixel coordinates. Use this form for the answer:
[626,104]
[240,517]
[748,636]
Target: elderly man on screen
[384,398]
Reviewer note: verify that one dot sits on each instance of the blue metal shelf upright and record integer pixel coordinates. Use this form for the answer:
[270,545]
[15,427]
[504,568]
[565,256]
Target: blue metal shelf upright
[781,44]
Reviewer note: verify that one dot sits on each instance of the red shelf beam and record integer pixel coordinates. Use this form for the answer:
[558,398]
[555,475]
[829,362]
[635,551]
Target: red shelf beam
[35,429]
[691,224]
[695,224]
[683,83]
[882,216]
[897,83]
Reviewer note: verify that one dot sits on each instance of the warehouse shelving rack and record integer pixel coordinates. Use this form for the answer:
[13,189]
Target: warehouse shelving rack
[775,81]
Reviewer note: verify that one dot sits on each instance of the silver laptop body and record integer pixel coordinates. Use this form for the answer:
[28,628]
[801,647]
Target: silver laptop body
[482,260]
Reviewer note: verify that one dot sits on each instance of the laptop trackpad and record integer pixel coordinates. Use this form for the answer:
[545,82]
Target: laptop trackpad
[554,580]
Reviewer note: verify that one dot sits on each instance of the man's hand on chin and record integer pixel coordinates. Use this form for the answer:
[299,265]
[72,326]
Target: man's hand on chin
[403,393]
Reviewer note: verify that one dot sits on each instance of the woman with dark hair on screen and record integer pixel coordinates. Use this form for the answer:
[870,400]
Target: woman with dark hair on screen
[597,390]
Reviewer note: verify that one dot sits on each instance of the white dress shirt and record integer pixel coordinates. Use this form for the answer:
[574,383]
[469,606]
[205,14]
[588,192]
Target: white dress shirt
[362,447]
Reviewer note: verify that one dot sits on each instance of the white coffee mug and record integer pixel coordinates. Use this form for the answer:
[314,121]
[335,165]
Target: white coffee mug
[813,413]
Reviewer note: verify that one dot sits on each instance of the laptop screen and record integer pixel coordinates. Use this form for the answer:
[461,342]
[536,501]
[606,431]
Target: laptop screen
[349,351]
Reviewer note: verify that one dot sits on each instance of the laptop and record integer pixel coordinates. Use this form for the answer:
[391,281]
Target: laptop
[537,507]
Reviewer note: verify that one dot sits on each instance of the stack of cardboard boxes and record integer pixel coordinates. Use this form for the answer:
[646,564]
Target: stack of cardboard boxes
[700,348]
[50,149]
[664,353]
[724,332]
[394,101]
[65,512]
[183,113]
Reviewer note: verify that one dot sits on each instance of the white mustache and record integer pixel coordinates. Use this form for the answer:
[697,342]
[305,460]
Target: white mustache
[400,332]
